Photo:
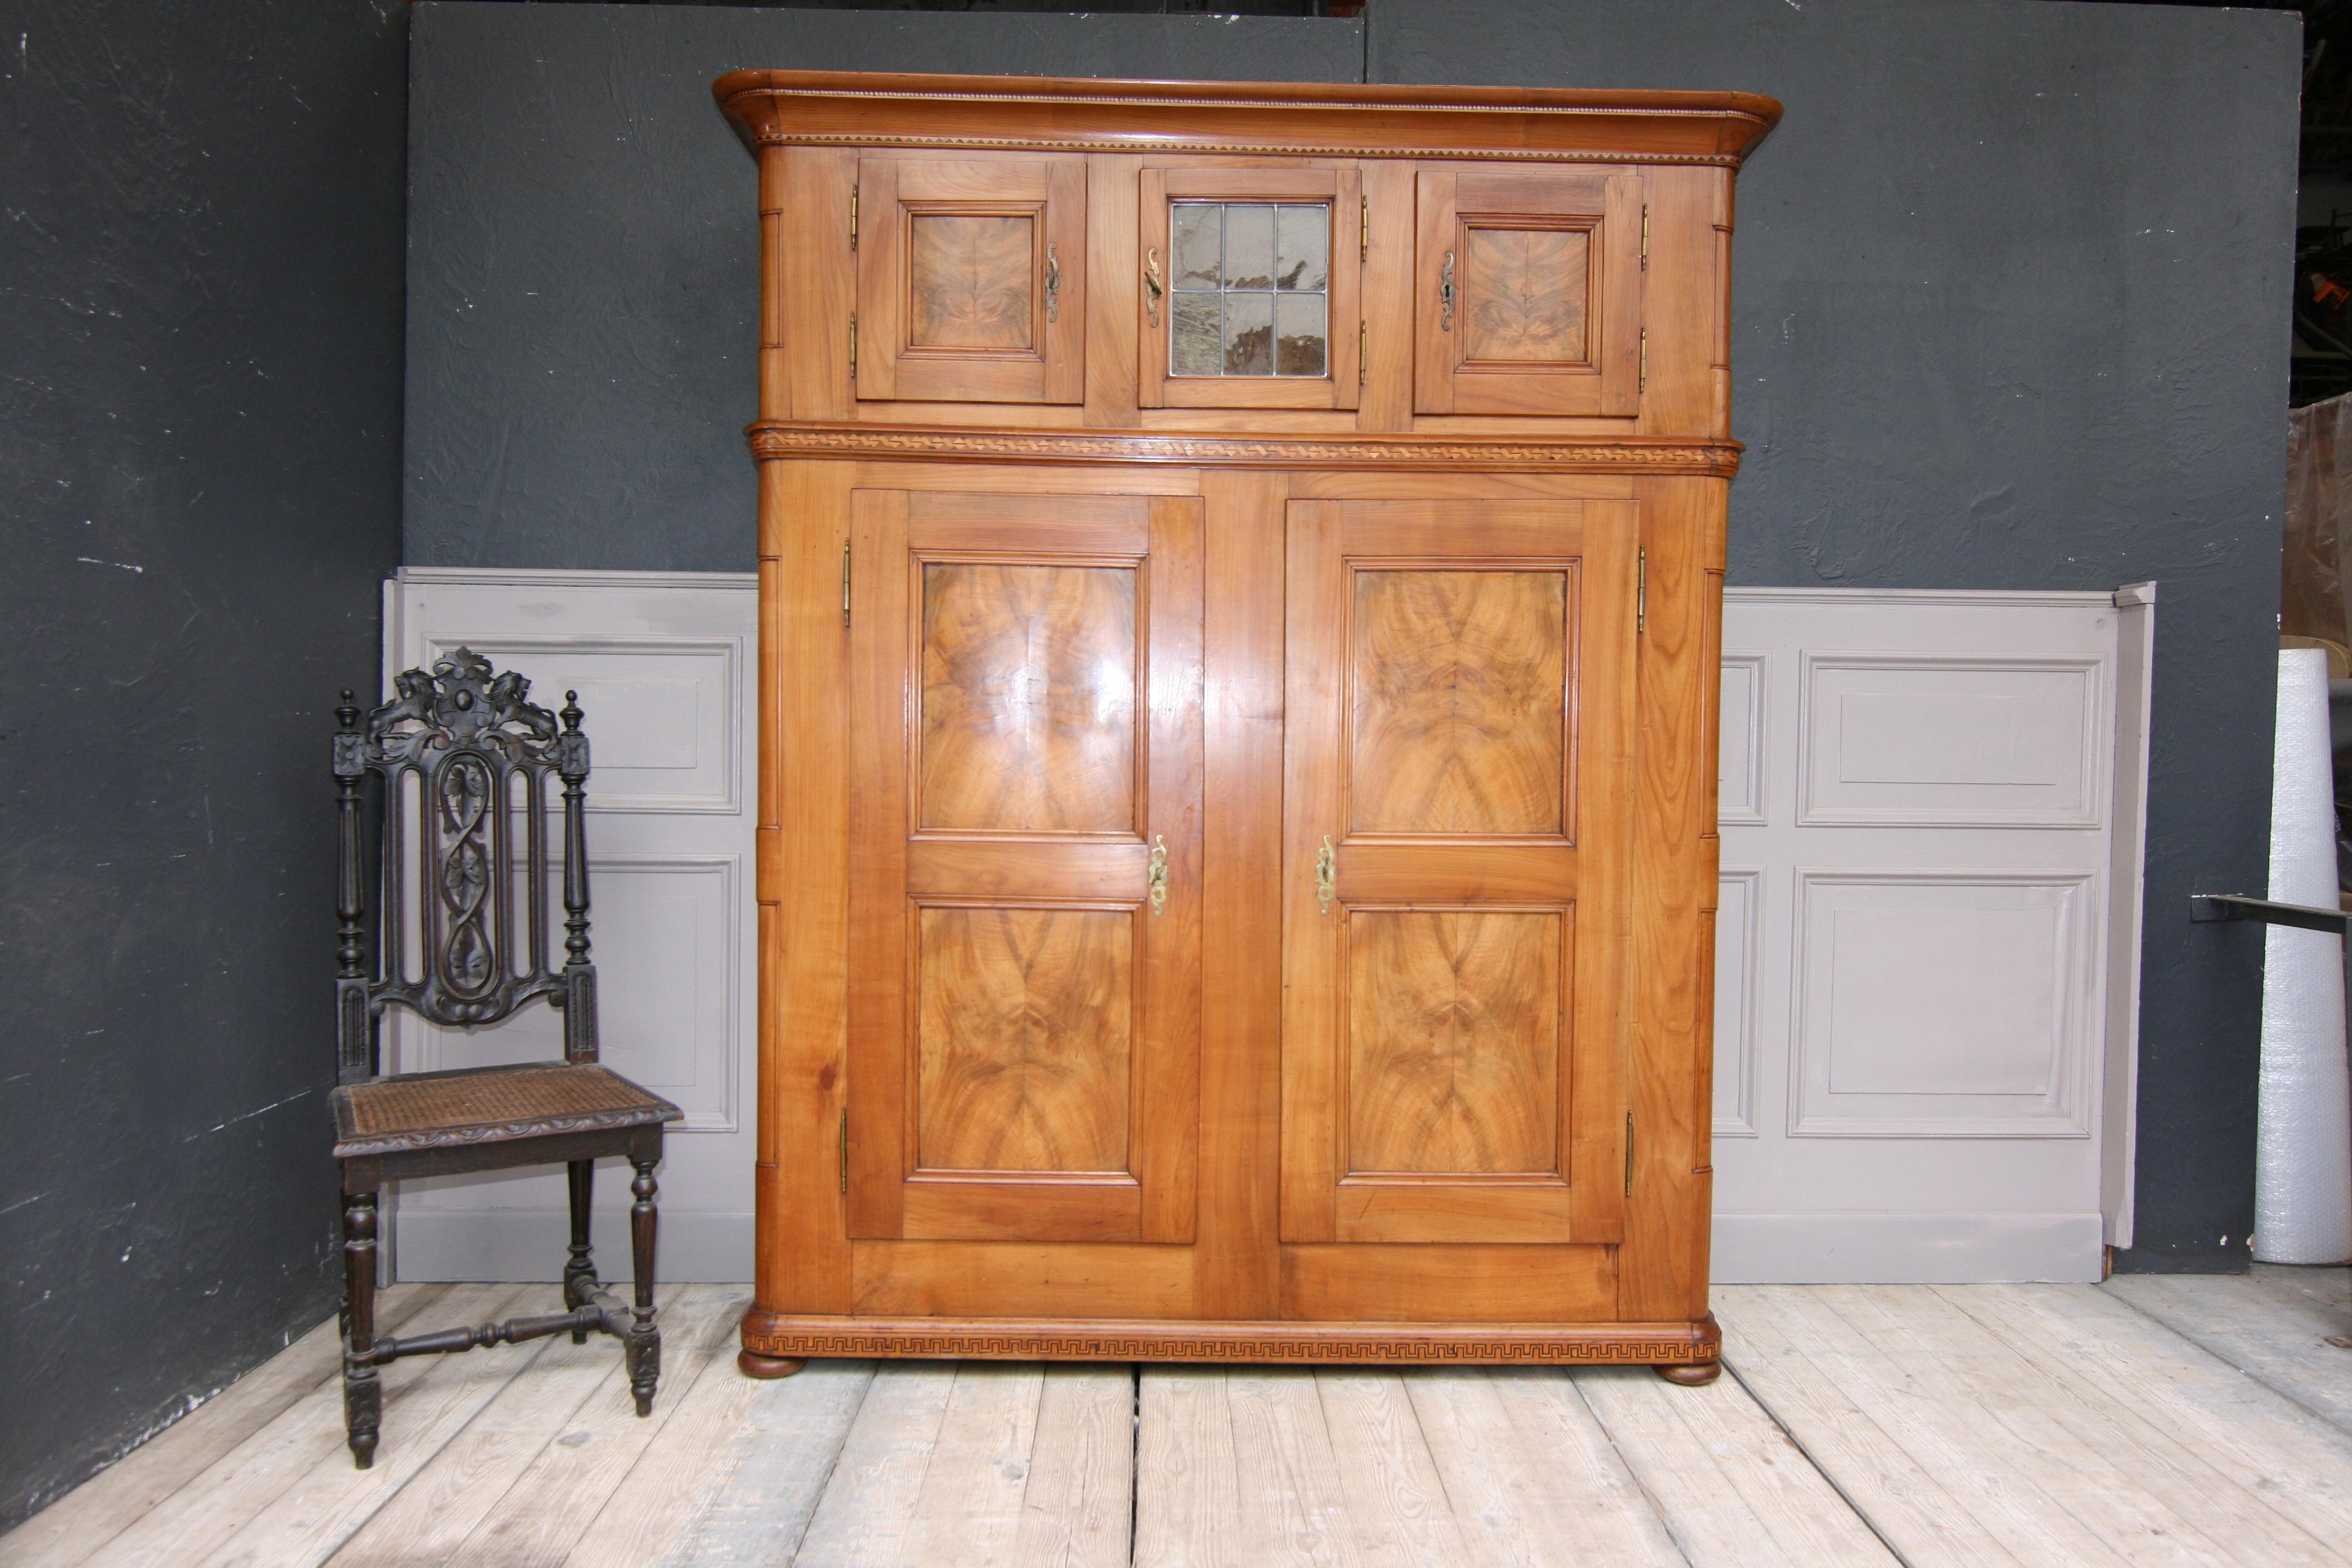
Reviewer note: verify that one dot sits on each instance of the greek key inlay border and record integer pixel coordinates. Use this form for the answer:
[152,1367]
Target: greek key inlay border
[1114,1341]
[1207,450]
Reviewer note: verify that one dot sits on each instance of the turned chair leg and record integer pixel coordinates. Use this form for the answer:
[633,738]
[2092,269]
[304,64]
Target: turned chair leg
[643,1345]
[362,1394]
[579,1273]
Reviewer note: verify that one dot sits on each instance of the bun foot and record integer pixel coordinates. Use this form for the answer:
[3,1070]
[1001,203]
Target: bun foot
[751,1363]
[1691,1374]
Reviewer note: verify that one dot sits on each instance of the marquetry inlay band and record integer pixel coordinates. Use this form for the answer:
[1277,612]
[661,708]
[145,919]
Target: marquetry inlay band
[1298,1343]
[1192,449]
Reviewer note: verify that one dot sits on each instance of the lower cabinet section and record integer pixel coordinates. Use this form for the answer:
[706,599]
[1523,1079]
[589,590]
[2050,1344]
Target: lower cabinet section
[1228,914]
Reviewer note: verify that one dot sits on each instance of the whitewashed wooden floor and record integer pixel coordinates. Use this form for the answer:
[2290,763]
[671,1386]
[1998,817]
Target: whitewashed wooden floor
[2153,1421]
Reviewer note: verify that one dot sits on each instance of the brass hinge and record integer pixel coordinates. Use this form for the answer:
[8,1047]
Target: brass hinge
[853,346]
[844,581]
[1629,1153]
[1641,592]
[1363,352]
[853,222]
[1641,382]
[1645,232]
[1364,228]
[844,1152]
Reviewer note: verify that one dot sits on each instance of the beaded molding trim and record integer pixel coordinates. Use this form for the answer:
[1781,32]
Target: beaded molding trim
[1646,1345]
[1198,449]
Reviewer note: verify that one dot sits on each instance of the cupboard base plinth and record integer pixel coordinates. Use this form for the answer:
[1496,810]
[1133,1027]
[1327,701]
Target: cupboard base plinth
[1673,1347]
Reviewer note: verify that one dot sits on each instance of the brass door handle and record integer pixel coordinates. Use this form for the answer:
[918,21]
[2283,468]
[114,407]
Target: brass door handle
[1446,296]
[1156,878]
[1327,876]
[1052,284]
[1151,288]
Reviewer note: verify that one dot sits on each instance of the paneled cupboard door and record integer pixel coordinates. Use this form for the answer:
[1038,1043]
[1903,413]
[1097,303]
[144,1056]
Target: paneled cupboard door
[1457,806]
[971,279]
[1024,910]
[1528,292]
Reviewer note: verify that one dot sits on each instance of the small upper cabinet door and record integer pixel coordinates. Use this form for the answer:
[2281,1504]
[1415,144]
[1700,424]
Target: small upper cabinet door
[1252,279]
[1527,293]
[971,281]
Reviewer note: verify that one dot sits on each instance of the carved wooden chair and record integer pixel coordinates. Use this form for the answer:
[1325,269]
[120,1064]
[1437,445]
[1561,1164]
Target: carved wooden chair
[483,759]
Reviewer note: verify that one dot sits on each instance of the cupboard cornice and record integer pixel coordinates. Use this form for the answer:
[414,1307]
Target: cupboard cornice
[1260,119]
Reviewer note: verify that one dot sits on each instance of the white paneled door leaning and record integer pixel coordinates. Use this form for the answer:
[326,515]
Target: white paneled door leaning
[662,663]
[1927,944]
[1925,959]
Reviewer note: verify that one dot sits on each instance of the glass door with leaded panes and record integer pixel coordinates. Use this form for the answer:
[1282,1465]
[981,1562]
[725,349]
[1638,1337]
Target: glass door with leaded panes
[1252,288]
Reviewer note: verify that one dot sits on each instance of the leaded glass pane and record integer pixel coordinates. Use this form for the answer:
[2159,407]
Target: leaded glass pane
[1298,344]
[1249,289]
[1303,253]
[1249,335]
[1193,329]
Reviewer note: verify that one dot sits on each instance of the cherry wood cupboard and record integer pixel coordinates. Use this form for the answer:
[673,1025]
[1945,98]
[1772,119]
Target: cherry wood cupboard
[1240,577]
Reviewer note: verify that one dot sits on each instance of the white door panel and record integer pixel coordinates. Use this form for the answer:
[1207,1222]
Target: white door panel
[1913,1005]
[662,663]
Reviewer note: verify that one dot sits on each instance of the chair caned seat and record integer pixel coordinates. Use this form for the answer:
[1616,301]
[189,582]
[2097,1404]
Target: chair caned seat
[488,1105]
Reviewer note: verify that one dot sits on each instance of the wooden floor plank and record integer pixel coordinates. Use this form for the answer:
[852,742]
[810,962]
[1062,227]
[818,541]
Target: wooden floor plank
[1734,1491]
[1528,1473]
[1390,1494]
[1903,1500]
[2149,1500]
[1914,1403]
[868,1507]
[1187,1479]
[1289,1480]
[77,1525]
[1077,1508]
[969,1509]
[2274,1325]
[270,1462]
[739,1475]
[578,1467]
[2083,1337]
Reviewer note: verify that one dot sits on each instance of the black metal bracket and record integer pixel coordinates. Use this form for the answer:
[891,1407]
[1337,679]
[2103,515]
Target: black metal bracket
[2207,907]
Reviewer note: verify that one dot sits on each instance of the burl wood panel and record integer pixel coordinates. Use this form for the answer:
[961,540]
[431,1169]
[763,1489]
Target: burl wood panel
[970,281]
[1524,295]
[1453,1036]
[1028,698]
[1458,701]
[1026,1031]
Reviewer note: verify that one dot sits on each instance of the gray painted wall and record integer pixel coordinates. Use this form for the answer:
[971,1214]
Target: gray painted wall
[584,248]
[2011,312]
[200,490]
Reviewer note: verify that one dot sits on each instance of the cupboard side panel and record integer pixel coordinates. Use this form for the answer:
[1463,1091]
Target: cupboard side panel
[1663,1266]
[802,1229]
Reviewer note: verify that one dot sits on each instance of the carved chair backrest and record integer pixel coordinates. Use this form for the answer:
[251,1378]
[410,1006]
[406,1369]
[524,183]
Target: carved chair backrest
[462,763]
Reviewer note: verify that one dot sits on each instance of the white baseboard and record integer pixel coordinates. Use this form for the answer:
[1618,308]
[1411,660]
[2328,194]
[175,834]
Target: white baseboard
[1905,1248]
[521,1246]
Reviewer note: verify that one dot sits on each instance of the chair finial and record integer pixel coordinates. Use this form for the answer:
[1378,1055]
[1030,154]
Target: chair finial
[347,713]
[571,715]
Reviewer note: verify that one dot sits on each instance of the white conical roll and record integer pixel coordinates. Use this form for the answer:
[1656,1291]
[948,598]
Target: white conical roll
[2303,1160]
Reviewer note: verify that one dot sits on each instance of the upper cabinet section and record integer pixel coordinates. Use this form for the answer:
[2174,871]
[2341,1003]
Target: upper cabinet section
[971,279]
[1528,293]
[1016,253]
